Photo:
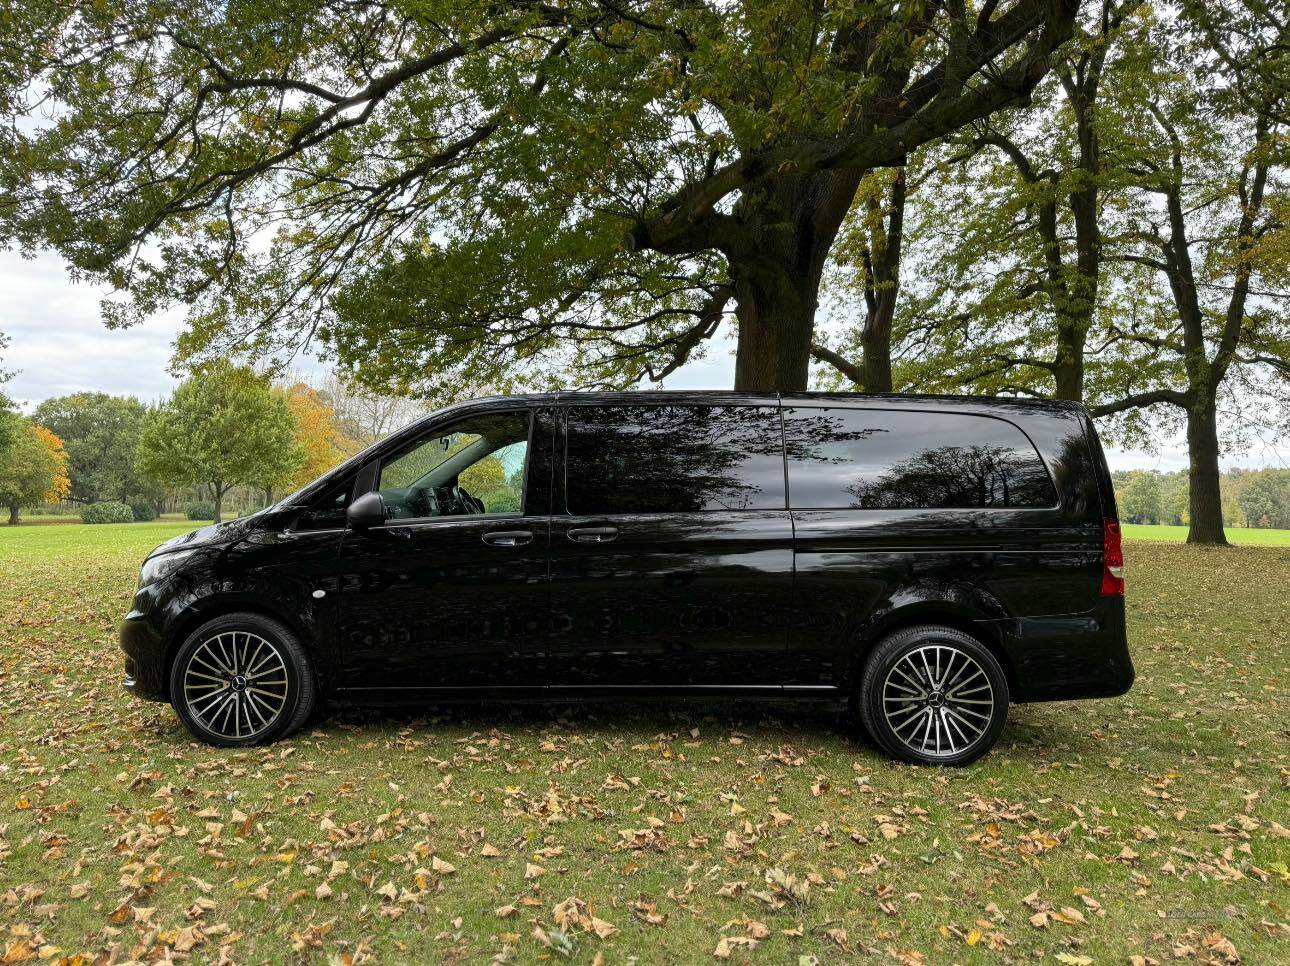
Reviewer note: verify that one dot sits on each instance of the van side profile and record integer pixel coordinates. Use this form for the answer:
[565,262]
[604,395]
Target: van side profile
[926,560]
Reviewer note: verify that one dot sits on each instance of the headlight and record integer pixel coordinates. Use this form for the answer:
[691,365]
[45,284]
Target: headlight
[160,567]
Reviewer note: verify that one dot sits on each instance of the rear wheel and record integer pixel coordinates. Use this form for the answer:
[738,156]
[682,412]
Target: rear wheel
[242,679]
[933,695]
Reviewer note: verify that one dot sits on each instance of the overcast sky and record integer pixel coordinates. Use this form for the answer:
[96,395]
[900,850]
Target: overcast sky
[58,344]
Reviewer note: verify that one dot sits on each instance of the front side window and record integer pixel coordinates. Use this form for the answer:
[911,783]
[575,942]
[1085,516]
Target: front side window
[673,459]
[875,459]
[327,512]
[473,467]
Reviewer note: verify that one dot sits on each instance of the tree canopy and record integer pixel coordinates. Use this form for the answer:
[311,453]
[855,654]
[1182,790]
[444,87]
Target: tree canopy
[482,193]
[101,435]
[1123,244]
[33,469]
[223,427]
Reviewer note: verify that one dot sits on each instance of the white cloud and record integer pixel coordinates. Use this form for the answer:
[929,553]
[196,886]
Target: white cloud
[58,343]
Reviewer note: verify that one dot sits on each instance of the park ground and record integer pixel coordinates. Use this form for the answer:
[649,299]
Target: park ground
[1154,825]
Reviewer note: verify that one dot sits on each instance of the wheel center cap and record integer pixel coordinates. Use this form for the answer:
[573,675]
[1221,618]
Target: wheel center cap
[238,683]
[936,699]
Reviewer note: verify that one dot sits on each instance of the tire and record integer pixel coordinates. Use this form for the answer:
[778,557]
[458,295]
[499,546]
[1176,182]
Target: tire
[242,680]
[949,713]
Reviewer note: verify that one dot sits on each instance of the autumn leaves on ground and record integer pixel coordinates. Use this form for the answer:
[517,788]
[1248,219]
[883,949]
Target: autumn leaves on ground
[1152,827]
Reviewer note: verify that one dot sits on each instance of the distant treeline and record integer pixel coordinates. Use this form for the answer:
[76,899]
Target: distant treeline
[1251,498]
[227,441]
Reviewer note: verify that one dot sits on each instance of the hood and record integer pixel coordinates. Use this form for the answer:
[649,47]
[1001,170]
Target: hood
[213,535]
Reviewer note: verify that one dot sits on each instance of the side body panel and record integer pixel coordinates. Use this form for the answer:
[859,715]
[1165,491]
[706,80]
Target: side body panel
[1024,580]
[269,570]
[690,601]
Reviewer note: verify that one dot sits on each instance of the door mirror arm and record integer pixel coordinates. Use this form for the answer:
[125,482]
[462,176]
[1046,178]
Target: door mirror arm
[366,512]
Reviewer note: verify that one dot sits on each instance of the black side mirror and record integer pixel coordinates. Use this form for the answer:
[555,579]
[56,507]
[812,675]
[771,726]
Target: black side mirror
[366,512]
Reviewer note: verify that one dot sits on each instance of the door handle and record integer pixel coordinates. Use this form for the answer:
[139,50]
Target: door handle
[593,534]
[508,538]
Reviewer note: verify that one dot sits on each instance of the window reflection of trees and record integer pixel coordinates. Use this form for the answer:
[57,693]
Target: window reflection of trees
[958,476]
[674,459]
[888,459]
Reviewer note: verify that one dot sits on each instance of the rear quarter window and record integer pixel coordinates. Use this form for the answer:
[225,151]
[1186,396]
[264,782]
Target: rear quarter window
[882,459]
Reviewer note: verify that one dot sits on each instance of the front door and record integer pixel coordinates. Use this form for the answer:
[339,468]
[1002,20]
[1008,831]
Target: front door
[452,592]
[671,548]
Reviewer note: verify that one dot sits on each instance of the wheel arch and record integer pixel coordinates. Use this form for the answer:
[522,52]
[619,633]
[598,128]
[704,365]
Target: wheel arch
[209,608]
[988,631]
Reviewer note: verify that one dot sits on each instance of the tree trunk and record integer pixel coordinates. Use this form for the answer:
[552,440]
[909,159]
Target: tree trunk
[1206,525]
[218,491]
[776,316]
[13,516]
[775,262]
[876,343]
[1068,366]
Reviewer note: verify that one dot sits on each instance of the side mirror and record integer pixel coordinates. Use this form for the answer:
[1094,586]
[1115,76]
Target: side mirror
[366,512]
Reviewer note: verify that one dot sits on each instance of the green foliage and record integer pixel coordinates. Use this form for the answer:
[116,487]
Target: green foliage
[501,500]
[9,424]
[1139,498]
[222,427]
[555,194]
[107,511]
[200,511]
[33,469]
[101,434]
[143,511]
[1264,498]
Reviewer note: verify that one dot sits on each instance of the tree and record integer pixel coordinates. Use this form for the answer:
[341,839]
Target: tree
[223,427]
[867,259]
[1209,221]
[9,424]
[1140,497]
[33,470]
[316,433]
[1009,258]
[101,434]
[1175,500]
[482,192]
[1265,499]
[1126,245]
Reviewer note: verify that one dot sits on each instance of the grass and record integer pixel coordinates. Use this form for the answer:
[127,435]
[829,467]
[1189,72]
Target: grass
[1153,824]
[1245,536]
[55,519]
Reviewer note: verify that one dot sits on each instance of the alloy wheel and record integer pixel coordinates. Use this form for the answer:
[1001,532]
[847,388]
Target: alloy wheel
[236,684]
[938,700]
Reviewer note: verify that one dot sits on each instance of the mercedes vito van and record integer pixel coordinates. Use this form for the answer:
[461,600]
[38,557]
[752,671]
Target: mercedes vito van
[925,561]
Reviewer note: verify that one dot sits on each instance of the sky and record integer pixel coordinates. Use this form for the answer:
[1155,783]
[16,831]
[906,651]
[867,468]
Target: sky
[58,345]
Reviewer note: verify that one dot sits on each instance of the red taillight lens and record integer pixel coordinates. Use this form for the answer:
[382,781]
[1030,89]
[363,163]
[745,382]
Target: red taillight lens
[1112,560]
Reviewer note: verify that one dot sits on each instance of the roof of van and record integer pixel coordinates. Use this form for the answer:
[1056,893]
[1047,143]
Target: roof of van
[653,395]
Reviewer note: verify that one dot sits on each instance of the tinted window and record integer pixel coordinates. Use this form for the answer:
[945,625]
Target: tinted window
[472,467]
[327,512]
[888,459]
[670,459]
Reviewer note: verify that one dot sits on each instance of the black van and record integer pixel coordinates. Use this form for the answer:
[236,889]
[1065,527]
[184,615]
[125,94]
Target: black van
[927,559]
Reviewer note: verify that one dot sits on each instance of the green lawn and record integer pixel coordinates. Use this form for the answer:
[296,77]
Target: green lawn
[1153,824]
[1249,536]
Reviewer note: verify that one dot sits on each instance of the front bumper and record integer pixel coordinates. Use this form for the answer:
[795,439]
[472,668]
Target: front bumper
[145,658]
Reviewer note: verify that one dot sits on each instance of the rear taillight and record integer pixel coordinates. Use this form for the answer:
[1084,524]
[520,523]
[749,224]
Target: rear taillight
[1112,560]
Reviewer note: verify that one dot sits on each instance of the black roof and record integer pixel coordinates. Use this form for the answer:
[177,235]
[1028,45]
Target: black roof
[647,396]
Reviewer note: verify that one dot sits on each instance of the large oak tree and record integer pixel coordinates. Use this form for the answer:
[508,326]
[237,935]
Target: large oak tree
[486,192]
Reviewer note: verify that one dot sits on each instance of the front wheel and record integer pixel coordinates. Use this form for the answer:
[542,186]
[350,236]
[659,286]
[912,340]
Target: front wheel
[933,695]
[242,679]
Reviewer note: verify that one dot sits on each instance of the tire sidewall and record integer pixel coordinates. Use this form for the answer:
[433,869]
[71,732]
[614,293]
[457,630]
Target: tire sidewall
[294,660]
[885,657]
